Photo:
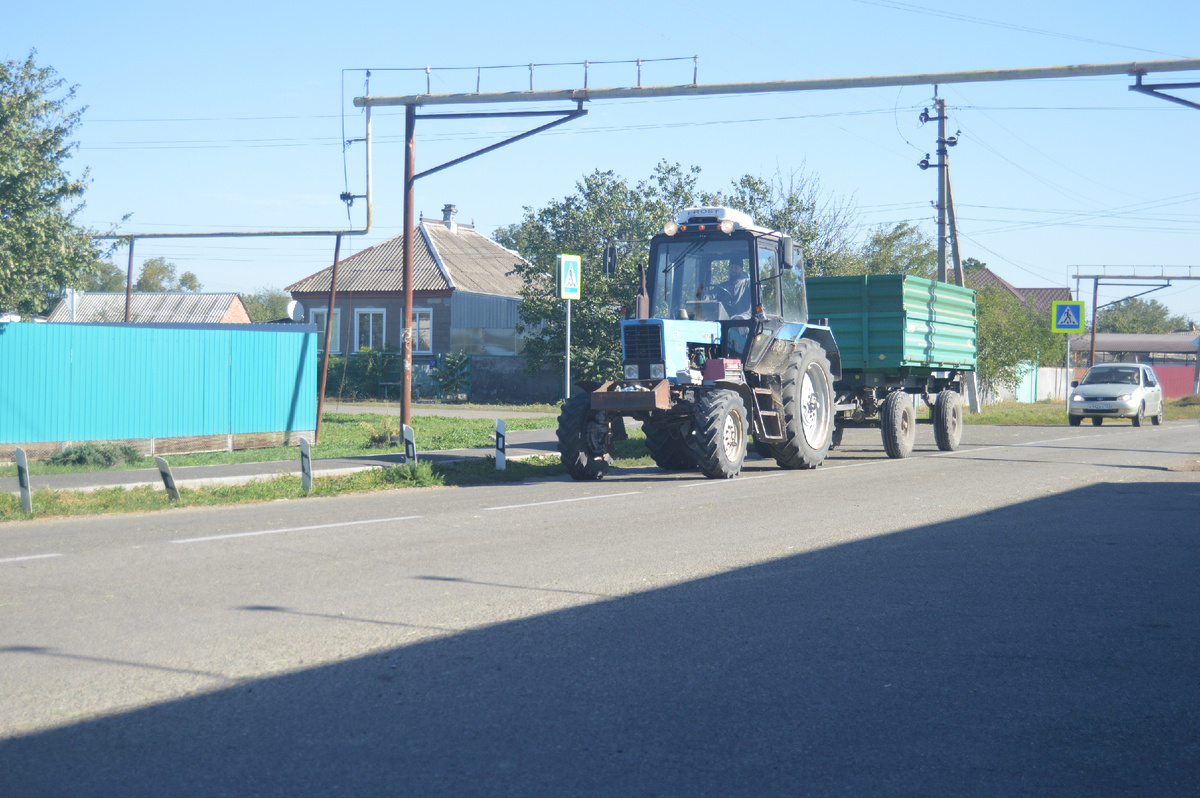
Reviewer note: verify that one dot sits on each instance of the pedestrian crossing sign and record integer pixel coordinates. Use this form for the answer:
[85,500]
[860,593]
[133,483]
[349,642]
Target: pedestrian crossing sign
[569,276]
[1067,317]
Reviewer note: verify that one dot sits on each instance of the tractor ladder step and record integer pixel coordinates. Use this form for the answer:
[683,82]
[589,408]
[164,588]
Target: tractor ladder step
[768,416]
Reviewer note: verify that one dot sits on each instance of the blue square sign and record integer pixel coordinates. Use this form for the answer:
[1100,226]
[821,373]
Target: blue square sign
[1067,317]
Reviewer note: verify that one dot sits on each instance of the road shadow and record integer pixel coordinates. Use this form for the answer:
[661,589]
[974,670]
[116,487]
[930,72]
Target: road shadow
[1046,648]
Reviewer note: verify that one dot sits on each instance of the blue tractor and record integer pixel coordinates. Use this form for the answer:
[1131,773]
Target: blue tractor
[721,351]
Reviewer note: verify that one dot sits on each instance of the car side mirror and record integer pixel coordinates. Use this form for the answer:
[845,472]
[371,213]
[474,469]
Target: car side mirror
[789,256]
[1074,383]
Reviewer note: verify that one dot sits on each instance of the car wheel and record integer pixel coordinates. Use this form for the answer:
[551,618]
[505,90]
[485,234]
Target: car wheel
[1097,421]
[1141,413]
[1158,419]
[1074,421]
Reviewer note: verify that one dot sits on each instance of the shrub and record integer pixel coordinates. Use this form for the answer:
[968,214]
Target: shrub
[104,455]
[381,435]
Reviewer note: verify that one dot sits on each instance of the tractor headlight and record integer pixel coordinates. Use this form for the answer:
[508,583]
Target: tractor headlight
[631,371]
[657,371]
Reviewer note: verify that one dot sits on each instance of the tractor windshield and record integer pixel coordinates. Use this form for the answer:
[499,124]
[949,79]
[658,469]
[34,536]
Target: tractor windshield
[702,278]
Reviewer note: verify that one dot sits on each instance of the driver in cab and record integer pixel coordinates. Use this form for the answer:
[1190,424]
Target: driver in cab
[734,293]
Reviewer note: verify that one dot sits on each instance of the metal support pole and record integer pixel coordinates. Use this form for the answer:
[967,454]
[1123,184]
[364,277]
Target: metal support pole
[410,163]
[1067,372]
[959,277]
[940,105]
[567,370]
[337,250]
[1095,299]
[129,281]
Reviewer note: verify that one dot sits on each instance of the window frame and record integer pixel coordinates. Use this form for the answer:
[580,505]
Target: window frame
[358,314]
[335,339]
[416,314]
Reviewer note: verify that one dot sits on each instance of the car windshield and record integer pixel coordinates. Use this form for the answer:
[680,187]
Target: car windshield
[702,278]
[1111,376]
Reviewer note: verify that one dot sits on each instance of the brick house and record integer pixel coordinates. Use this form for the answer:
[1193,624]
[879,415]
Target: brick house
[465,298]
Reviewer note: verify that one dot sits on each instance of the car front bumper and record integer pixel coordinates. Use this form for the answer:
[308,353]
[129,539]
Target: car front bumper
[1116,408]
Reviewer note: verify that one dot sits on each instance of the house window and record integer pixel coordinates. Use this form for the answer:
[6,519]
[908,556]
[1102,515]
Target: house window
[422,331]
[335,341]
[369,324]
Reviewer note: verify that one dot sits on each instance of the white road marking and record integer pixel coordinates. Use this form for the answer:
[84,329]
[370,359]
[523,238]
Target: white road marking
[562,501]
[296,529]
[29,557]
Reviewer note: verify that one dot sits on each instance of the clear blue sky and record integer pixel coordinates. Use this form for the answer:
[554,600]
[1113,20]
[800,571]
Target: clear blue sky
[231,118]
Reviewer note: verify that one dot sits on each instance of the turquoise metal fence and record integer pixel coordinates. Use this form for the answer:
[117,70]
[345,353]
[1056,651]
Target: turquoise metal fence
[97,382]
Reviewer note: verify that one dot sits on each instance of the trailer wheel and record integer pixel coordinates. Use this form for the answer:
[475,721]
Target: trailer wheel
[948,420]
[721,432]
[668,448]
[807,408]
[583,439]
[898,421]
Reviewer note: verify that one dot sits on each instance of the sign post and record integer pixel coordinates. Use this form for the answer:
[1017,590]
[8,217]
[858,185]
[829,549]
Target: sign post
[1067,317]
[570,277]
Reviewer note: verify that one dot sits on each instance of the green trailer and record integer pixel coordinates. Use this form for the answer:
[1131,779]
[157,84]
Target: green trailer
[898,337]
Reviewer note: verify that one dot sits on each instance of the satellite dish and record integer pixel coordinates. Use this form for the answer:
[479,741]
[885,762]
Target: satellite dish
[295,311]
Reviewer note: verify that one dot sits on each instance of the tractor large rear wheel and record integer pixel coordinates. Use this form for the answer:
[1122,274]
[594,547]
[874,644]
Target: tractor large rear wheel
[898,421]
[807,393]
[721,433]
[668,448]
[584,437]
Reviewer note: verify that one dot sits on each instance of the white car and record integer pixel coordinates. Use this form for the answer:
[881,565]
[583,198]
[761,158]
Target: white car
[1116,390]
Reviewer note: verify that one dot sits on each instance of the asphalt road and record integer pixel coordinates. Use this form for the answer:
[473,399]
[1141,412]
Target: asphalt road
[1020,617]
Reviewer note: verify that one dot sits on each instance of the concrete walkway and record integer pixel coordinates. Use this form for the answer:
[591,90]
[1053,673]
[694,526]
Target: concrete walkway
[520,444]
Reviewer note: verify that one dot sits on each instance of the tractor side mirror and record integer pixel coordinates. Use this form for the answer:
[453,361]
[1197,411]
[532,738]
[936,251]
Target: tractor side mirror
[789,257]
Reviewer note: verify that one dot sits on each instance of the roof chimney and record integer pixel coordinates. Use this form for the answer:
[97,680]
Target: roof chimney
[448,214]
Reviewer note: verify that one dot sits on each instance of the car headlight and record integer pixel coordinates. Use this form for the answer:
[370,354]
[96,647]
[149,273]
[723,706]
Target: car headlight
[1126,397]
[657,371]
[1077,398]
[631,371]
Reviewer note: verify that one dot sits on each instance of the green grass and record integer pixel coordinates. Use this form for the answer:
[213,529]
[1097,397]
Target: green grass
[342,435]
[1053,413]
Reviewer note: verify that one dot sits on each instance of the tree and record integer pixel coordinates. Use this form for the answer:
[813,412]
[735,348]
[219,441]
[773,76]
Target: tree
[158,274]
[41,246]
[1139,316]
[103,276]
[606,209]
[900,249]
[266,304]
[1009,334]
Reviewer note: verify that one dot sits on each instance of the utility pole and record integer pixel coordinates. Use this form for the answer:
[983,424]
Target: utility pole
[943,166]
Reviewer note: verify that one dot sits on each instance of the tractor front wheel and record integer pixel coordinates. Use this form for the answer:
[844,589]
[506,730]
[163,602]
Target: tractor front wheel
[668,448]
[584,439]
[721,432]
[807,393]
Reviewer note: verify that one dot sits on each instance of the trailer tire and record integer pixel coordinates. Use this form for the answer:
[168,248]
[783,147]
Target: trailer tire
[807,392]
[668,449]
[583,439]
[721,433]
[948,420]
[898,421]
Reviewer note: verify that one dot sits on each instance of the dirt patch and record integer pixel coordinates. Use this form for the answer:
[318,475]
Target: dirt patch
[1186,465]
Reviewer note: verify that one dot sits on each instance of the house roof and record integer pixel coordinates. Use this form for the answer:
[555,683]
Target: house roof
[153,308]
[443,260]
[1165,343]
[982,277]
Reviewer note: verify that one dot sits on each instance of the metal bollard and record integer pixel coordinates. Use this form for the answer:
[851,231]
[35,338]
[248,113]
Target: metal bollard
[164,470]
[305,466]
[501,445]
[23,481]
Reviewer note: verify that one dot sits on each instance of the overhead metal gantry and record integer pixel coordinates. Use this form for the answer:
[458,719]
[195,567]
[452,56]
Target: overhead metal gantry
[1135,69]
[1132,276]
